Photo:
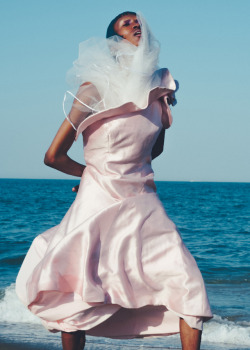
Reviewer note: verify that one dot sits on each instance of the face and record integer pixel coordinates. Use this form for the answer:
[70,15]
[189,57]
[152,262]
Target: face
[129,28]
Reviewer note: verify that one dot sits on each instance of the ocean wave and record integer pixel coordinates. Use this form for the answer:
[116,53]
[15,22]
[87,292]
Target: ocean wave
[12,310]
[218,330]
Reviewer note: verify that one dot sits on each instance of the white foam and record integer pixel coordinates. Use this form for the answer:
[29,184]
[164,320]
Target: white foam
[13,311]
[218,330]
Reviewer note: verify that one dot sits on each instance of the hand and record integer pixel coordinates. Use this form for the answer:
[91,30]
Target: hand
[171,99]
[75,188]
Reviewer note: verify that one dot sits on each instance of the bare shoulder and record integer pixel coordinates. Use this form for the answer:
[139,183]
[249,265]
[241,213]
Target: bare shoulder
[87,83]
[91,90]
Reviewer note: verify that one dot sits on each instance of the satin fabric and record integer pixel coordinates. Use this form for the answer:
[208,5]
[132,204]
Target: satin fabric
[116,265]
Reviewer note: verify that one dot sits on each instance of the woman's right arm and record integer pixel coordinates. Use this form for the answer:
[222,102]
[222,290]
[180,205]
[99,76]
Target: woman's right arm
[57,157]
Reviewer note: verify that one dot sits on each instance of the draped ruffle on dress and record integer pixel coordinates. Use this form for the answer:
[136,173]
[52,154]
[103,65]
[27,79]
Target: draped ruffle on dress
[116,265]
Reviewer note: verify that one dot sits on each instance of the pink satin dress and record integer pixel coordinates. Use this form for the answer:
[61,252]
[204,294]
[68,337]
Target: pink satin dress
[116,265]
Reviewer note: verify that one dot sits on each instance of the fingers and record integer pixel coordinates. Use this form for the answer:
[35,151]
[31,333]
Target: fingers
[75,188]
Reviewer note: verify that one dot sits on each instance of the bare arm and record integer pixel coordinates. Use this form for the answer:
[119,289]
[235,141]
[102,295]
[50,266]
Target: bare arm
[56,156]
[158,146]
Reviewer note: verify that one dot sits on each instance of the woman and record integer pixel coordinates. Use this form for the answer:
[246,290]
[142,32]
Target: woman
[116,265]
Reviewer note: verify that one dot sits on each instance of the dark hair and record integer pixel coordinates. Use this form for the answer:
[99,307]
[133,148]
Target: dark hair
[110,30]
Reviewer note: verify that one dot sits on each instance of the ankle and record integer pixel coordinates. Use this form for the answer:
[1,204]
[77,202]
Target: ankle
[73,340]
[190,337]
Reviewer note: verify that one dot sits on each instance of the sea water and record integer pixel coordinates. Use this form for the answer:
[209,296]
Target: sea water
[213,219]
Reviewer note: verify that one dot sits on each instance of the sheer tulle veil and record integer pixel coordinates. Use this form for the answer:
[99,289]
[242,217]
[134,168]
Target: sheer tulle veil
[118,71]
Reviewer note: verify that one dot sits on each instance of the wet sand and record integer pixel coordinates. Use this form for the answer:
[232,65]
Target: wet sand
[102,346]
[89,346]
[16,346]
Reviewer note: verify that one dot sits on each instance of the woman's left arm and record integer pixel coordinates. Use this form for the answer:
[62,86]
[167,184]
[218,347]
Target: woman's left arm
[166,122]
[159,144]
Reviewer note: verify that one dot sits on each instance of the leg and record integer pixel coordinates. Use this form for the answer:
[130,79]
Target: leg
[73,340]
[190,337]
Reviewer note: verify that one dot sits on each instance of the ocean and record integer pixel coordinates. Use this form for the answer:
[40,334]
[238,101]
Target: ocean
[213,219]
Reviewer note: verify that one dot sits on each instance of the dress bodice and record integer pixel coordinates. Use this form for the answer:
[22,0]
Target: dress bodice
[117,150]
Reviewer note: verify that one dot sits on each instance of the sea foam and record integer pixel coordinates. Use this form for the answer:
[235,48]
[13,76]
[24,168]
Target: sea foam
[218,330]
[13,311]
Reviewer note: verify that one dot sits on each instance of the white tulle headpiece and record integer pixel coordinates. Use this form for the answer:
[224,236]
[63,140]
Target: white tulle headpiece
[119,72]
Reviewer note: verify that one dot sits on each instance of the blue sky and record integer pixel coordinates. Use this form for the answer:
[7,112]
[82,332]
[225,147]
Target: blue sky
[205,45]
